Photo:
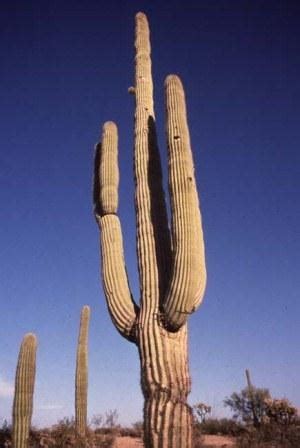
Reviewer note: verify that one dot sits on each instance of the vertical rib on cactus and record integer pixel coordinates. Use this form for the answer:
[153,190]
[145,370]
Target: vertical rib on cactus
[81,381]
[172,279]
[24,388]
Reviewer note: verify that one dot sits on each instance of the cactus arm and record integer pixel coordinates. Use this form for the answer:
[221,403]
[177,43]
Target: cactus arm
[109,170]
[121,306]
[188,278]
[81,378]
[153,239]
[24,388]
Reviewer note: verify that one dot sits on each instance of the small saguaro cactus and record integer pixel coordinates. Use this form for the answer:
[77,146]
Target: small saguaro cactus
[24,388]
[251,397]
[170,261]
[81,381]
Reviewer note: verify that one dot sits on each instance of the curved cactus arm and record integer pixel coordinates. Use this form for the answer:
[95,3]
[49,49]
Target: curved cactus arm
[188,276]
[121,306]
[24,388]
[153,236]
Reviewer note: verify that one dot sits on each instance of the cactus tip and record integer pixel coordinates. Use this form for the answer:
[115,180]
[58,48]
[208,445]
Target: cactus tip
[140,16]
[173,79]
[109,126]
[30,337]
[86,310]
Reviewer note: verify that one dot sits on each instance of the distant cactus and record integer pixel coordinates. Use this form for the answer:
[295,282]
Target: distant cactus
[24,388]
[252,399]
[171,262]
[81,381]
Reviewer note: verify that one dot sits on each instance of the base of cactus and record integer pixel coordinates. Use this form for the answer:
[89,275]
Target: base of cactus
[167,423]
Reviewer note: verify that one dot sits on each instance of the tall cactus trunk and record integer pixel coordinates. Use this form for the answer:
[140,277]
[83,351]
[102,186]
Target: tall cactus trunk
[81,380]
[172,275]
[166,385]
[24,388]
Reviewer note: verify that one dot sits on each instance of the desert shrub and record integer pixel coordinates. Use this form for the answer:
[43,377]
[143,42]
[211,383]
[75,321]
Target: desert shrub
[62,435]
[127,432]
[104,440]
[223,426]
[271,435]
[268,422]
[106,424]
[201,411]
[293,435]
[55,440]
[136,430]
[97,421]
[281,412]
[111,419]
[197,436]
[249,405]
[5,435]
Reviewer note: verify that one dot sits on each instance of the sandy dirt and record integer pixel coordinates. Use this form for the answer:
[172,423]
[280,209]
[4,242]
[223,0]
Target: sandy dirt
[208,441]
[218,441]
[128,442]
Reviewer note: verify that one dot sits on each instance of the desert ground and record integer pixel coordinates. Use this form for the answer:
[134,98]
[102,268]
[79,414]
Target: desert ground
[208,442]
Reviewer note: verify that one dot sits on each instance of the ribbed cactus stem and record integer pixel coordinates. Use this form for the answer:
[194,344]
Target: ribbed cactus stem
[172,279]
[109,174]
[153,238]
[24,388]
[188,279]
[81,382]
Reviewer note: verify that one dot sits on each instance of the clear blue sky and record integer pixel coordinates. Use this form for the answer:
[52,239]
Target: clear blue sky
[66,68]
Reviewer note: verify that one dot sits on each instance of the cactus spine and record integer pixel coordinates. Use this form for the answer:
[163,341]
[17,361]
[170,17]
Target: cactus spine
[171,262]
[24,388]
[81,381]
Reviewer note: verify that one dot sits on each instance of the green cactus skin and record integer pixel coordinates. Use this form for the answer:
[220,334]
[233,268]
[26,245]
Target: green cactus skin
[171,262]
[81,380]
[24,388]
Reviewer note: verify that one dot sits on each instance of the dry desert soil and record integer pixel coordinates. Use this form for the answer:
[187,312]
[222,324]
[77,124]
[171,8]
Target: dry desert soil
[208,442]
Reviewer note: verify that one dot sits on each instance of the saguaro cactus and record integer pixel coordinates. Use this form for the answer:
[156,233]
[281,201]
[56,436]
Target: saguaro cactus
[24,387]
[251,398]
[81,381]
[170,262]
